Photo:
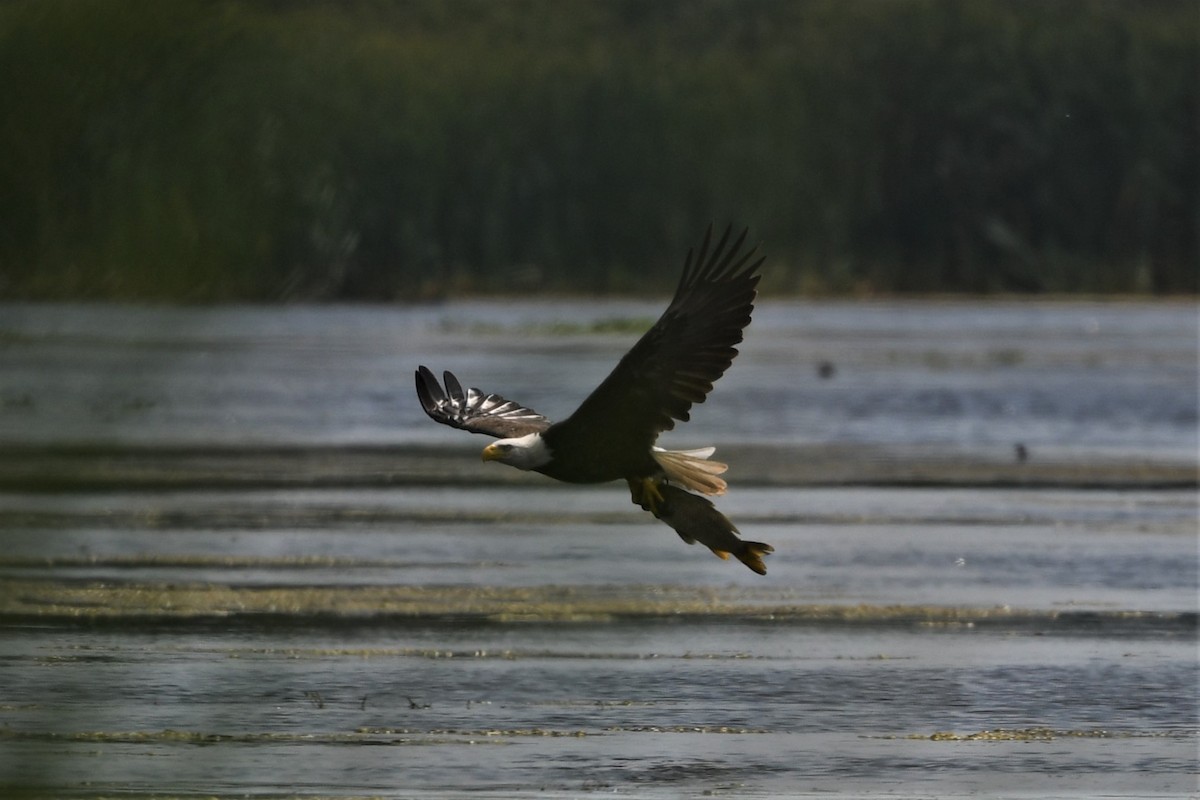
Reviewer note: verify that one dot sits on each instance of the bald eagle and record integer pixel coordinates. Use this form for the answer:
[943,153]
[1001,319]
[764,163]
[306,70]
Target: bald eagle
[611,436]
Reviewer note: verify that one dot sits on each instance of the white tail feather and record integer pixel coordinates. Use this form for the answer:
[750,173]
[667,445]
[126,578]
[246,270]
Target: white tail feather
[691,469]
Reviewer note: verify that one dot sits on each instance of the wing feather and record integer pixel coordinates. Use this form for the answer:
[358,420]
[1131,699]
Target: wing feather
[474,410]
[675,363]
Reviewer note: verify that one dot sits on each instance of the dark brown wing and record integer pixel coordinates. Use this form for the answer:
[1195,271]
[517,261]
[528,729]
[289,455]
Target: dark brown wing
[676,362]
[473,410]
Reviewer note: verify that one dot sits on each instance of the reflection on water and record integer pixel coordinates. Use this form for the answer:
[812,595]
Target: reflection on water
[249,602]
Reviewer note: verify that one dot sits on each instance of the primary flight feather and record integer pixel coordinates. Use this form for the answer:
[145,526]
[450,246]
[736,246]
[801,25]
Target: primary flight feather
[611,435]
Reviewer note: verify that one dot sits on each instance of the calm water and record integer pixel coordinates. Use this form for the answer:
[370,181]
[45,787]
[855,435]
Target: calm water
[1078,377]
[207,586]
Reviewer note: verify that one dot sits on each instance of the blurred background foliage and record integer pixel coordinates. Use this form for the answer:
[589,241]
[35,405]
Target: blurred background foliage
[209,150]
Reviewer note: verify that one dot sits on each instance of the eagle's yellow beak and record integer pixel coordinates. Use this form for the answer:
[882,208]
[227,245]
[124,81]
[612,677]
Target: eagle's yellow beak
[492,453]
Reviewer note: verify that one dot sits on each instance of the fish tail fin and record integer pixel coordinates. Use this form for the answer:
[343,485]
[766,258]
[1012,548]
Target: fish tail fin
[752,554]
[691,469]
[696,519]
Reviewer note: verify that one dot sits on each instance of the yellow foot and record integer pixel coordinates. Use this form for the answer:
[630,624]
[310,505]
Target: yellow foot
[646,494]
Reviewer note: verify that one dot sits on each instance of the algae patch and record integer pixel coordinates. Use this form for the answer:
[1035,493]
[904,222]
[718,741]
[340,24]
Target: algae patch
[94,602]
[1035,734]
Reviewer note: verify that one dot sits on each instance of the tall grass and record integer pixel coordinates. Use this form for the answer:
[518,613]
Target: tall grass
[202,150]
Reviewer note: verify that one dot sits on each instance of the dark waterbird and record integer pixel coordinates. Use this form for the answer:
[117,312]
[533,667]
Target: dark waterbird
[611,435]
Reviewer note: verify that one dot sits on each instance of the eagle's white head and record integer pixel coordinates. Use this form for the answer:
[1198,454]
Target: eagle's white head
[524,452]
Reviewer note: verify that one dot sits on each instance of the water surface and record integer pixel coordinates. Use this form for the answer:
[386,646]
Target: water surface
[239,561]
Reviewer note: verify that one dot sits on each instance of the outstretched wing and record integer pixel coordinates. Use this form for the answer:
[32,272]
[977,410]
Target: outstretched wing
[677,361]
[473,410]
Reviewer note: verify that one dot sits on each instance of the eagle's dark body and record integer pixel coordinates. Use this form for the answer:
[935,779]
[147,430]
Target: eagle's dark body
[611,435]
[606,466]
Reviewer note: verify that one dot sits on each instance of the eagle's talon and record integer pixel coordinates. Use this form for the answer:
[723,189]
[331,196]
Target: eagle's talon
[652,496]
[646,495]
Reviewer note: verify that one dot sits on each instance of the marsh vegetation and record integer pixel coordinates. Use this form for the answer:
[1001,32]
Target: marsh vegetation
[198,151]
